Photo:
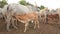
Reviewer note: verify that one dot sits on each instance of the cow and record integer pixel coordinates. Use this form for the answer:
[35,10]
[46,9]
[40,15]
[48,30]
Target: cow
[28,17]
[12,9]
[43,14]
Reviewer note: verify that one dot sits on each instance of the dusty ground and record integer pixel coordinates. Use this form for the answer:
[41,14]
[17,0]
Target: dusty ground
[44,29]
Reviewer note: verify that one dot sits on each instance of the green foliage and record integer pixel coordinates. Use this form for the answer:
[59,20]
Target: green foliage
[2,3]
[42,7]
[23,2]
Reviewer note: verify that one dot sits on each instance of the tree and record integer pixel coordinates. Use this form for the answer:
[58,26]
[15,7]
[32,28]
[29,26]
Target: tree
[42,7]
[23,2]
[2,3]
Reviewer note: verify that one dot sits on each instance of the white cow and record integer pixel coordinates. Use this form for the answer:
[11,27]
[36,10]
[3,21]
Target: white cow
[44,13]
[33,8]
[12,9]
[19,9]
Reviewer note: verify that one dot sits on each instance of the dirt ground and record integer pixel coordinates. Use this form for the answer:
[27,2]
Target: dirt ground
[44,29]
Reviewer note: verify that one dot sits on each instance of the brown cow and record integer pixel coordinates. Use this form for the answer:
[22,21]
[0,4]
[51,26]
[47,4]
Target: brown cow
[52,16]
[28,17]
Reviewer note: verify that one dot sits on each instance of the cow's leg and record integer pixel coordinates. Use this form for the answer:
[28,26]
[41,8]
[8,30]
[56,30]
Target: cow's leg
[16,22]
[8,24]
[59,19]
[26,26]
[13,23]
[45,19]
[35,24]
[40,18]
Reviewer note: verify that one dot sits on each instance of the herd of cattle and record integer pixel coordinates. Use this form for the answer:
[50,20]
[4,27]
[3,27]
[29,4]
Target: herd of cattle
[16,12]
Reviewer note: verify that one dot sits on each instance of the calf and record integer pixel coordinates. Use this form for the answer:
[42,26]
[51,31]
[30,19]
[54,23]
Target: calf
[28,17]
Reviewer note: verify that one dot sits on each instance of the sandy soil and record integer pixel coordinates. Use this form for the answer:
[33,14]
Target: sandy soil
[44,29]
